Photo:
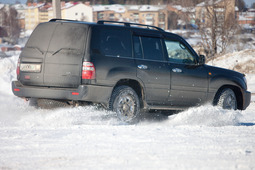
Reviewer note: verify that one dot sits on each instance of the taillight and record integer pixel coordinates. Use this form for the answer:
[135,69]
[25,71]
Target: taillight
[75,93]
[88,71]
[18,67]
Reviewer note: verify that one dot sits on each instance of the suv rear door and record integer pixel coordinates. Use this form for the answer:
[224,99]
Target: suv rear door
[63,61]
[53,55]
[33,54]
[152,68]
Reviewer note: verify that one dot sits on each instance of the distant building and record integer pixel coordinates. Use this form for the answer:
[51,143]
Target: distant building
[247,18]
[144,14]
[133,13]
[224,10]
[42,12]
[186,16]
[21,9]
[32,15]
[158,15]
[74,11]
[153,15]
[109,12]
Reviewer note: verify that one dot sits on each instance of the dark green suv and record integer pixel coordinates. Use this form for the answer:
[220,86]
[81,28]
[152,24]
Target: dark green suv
[124,66]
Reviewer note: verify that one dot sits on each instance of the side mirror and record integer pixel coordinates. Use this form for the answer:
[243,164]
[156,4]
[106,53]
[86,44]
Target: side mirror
[201,60]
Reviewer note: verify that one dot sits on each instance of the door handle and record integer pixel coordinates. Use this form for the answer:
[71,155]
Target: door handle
[177,70]
[142,67]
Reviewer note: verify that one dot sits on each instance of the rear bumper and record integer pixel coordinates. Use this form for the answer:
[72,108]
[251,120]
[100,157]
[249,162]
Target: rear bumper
[92,93]
[246,99]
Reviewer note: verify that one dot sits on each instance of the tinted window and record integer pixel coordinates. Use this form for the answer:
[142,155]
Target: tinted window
[152,48]
[111,42]
[68,37]
[41,36]
[178,53]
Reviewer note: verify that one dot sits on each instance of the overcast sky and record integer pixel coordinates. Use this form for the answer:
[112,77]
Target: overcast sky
[248,2]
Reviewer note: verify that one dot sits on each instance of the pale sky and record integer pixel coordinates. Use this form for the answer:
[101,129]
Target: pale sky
[249,2]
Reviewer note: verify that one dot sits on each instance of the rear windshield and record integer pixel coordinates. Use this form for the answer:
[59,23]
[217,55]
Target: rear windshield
[56,36]
[111,41]
[68,36]
[41,36]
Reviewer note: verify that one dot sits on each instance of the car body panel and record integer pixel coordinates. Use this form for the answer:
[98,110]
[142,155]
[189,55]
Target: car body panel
[156,79]
[188,87]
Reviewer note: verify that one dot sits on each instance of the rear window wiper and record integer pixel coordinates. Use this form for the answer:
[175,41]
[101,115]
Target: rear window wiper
[69,49]
[38,49]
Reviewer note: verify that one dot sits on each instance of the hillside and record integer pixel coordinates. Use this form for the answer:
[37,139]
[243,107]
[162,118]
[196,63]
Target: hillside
[242,61]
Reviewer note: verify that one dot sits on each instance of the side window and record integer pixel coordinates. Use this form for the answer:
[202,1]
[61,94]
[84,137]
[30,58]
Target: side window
[178,53]
[152,48]
[111,42]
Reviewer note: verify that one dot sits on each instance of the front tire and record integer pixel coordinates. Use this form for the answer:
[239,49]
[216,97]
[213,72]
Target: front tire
[227,99]
[125,102]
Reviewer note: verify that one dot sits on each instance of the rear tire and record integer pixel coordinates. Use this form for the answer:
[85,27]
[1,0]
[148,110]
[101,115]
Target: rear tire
[125,102]
[227,99]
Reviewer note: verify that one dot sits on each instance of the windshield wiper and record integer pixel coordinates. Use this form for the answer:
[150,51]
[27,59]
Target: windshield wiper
[69,49]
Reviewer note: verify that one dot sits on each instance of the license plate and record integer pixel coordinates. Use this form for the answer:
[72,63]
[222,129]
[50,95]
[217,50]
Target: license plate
[30,67]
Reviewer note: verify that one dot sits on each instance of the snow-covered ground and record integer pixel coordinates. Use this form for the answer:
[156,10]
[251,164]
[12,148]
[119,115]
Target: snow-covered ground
[91,138]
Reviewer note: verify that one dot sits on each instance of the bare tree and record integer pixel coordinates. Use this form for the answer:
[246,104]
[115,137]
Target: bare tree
[253,5]
[229,27]
[241,5]
[10,24]
[217,25]
[172,20]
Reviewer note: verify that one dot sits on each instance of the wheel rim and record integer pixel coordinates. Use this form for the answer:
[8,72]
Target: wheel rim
[125,108]
[230,102]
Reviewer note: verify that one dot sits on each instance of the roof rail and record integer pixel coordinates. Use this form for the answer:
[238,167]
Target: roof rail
[127,24]
[57,19]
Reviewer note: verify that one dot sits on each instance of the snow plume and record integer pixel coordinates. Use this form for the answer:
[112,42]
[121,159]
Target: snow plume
[7,73]
[16,112]
[68,117]
[22,115]
[206,116]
